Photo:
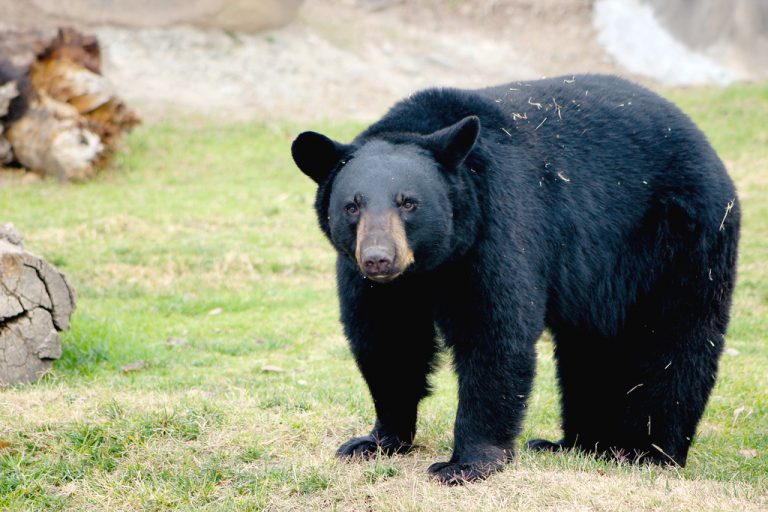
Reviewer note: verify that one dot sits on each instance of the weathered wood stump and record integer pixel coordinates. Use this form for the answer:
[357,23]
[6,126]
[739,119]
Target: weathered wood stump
[36,303]
[59,117]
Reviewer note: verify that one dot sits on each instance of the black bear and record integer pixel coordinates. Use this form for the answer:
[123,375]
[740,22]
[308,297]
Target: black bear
[587,205]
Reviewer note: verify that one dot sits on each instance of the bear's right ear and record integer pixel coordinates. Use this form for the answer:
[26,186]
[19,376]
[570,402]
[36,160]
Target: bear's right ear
[316,155]
[452,145]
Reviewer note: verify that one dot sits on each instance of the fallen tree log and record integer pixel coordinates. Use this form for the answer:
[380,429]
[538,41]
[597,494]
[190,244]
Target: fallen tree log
[36,303]
[8,92]
[61,117]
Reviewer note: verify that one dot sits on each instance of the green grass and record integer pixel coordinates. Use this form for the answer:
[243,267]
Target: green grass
[206,233]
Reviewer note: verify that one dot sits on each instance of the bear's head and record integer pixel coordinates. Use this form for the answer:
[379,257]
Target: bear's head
[389,202]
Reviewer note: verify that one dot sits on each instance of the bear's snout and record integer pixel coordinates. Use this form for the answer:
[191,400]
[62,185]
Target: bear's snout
[377,260]
[382,251]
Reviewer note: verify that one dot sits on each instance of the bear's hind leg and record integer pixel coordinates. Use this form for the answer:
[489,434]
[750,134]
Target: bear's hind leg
[666,396]
[587,374]
[635,398]
[639,393]
[670,347]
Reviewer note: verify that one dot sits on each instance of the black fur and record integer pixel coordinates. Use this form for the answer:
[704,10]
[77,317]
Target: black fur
[587,205]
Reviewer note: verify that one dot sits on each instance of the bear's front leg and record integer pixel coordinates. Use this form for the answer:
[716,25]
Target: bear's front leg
[395,361]
[495,379]
[392,336]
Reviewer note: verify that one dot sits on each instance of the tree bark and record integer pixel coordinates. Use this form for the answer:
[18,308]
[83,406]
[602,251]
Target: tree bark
[61,118]
[36,303]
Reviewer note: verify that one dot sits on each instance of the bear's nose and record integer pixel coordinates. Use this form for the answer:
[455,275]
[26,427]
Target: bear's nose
[377,261]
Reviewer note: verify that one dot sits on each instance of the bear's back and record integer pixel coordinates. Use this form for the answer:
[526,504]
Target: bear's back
[590,143]
[601,140]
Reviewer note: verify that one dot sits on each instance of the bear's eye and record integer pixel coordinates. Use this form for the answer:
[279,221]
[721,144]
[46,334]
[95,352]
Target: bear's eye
[352,209]
[408,205]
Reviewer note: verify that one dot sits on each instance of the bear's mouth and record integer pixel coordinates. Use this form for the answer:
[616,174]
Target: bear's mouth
[382,278]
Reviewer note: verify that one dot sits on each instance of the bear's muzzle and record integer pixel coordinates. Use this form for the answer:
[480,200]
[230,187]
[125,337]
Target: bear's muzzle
[382,250]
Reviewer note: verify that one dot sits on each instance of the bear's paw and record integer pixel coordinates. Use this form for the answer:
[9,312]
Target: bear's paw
[459,473]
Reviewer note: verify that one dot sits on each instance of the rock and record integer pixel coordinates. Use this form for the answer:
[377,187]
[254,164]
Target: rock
[135,366]
[36,303]
[173,342]
[9,233]
[734,33]
[621,24]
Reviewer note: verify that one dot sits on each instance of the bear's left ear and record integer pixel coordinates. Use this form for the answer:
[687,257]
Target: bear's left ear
[453,144]
[316,155]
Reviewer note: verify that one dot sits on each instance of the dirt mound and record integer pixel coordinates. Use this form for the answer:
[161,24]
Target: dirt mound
[243,15]
[351,58]
[343,59]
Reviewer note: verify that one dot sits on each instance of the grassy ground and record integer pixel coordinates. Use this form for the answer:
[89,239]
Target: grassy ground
[204,235]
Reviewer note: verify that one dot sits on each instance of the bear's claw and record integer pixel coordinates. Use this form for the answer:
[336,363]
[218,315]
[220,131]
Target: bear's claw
[358,447]
[457,473]
[367,447]
[543,445]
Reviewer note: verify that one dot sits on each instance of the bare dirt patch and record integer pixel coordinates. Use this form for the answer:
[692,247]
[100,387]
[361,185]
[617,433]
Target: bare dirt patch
[348,58]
